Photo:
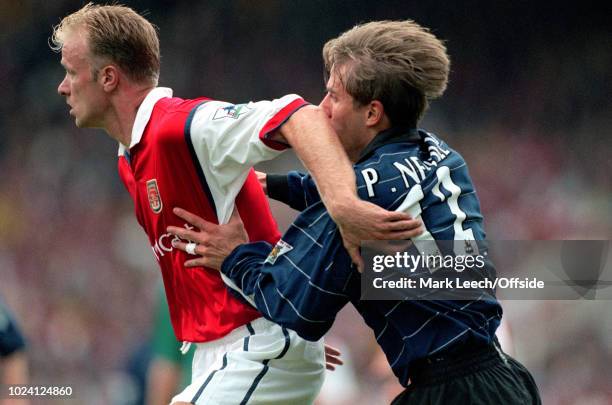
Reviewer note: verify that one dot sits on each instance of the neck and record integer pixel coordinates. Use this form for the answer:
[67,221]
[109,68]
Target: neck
[120,118]
[370,134]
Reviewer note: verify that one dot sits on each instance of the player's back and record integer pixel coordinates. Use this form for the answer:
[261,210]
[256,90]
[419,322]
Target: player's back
[425,178]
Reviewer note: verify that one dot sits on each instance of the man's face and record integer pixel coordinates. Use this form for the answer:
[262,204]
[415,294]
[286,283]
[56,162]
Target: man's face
[83,93]
[347,119]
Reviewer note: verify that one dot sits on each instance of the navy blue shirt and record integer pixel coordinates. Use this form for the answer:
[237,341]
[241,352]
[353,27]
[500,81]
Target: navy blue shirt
[11,339]
[304,281]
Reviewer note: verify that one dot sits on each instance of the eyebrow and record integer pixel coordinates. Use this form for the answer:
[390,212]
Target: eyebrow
[66,67]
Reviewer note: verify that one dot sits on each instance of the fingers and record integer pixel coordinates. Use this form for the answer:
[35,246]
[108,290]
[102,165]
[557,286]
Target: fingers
[402,225]
[262,179]
[382,214]
[353,251]
[330,350]
[331,362]
[183,246]
[396,216]
[402,235]
[205,259]
[192,219]
[187,234]
[332,358]
[330,366]
[403,229]
[200,262]
[335,360]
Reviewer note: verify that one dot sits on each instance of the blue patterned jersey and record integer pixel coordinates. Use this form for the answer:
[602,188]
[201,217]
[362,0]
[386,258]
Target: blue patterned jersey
[303,281]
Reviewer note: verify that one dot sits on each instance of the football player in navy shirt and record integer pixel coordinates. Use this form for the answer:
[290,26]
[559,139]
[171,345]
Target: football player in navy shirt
[381,77]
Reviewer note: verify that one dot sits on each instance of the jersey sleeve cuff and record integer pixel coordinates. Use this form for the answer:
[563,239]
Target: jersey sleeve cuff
[278,187]
[277,121]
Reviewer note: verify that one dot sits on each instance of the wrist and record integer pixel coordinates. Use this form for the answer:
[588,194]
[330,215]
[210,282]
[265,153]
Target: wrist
[277,186]
[340,204]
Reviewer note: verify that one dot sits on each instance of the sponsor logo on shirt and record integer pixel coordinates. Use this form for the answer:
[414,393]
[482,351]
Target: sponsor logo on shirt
[280,249]
[163,244]
[155,201]
[231,111]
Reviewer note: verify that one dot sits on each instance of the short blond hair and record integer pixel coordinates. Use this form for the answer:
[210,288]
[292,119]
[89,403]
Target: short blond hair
[116,34]
[399,63]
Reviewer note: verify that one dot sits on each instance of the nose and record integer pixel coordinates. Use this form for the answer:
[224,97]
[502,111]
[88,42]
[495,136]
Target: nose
[324,105]
[62,89]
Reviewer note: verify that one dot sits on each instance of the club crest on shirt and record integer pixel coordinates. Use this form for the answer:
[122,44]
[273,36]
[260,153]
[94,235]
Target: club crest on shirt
[154,197]
[280,249]
[231,111]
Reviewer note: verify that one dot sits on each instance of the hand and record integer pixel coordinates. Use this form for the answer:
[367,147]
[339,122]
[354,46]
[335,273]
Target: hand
[332,358]
[214,242]
[263,180]
[360,220]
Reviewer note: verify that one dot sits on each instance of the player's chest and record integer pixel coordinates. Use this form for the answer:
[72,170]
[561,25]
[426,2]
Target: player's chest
[157,178]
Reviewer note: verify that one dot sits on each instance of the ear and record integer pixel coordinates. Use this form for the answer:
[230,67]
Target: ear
[375,113]
[109,77]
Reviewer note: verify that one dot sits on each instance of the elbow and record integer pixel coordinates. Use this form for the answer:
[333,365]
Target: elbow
[301,121]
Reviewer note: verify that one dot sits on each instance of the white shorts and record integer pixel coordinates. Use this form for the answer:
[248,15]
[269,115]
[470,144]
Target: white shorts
[257,363]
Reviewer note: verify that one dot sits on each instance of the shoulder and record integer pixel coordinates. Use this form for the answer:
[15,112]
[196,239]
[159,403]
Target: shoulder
[173,113]
[180,105]
[394,168]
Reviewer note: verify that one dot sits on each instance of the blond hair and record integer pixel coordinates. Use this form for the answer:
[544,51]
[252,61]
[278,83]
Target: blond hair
[116,34]
[398,63]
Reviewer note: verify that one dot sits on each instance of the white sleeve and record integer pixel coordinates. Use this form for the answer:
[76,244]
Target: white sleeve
[230,139]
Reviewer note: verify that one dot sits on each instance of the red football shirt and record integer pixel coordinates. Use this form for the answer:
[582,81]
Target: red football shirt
[197,155]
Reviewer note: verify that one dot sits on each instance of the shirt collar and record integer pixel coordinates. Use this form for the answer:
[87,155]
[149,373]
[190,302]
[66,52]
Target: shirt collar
[144,114]
[390,135]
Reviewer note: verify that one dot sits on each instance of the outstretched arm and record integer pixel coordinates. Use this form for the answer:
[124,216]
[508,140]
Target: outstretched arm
[228,139]
[292,284]
[295,189]
[310,134]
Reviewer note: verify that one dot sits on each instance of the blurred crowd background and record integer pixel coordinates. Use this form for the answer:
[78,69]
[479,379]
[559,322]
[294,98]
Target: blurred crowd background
[528,105]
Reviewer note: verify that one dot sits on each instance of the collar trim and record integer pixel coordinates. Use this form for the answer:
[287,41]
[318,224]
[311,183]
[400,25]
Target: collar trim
[388,136]
[143,115]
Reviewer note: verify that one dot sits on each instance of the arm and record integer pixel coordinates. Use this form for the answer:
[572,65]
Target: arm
[228,140]
[310,134]
[282,297]
[305,301]
[301,285]
[294,189]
